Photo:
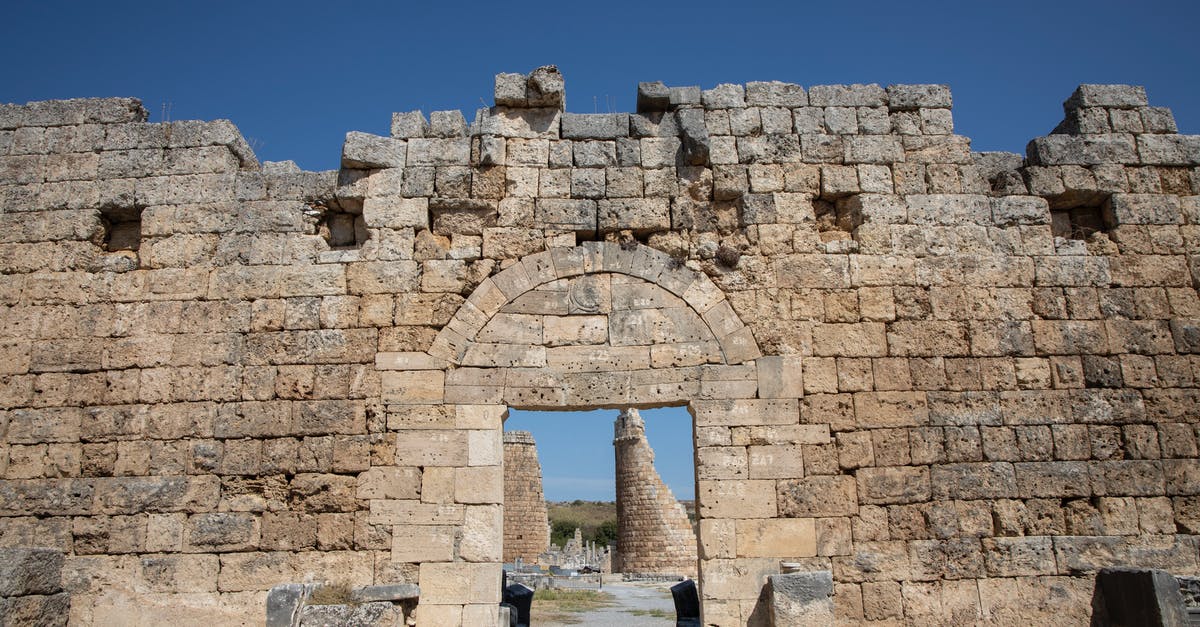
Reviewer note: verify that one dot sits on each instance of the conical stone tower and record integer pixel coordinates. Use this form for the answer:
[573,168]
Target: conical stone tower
[526,526]
[654,534]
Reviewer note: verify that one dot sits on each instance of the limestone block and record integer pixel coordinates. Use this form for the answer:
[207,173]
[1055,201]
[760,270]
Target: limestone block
[409,124]
[595,125]
[776,537]
[423,543]
[912,97]
[448,615]
[574,215]
[438,151]
[847,96]
[1129,478]
[737,498]
[721,462]
[974,480]
[30,572]
[746,412]
[802,598]
[1144,209]
[1175,150]
[813,271]
[440,447]
[366,151]
[893,485]
[408,512]
[880,149]
[414,387]
[653,96]
[389,483]
[1113,96]
[778,461]
[835,495]
[740,578]
[484,614]
[221,532]
[1090,553]
[458,582]
[574,330]
[480,541]
[780,377]
[775,94]
[393,212]
[521,123]
[724,96]
[1083,150]
[643,215]
[943,149]
[36,609]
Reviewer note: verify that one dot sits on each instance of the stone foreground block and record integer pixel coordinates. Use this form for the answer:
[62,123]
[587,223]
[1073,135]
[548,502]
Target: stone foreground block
[801,598]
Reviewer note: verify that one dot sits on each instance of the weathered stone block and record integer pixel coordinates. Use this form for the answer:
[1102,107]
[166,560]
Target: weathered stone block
[362,150]
[1113,96]
[893,485]
[857,95]
[912,97]
[818,496]
[802,598]
[30,572]
[595,125]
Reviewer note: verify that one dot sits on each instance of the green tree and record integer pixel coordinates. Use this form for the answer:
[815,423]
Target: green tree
[606,533]
[562,530]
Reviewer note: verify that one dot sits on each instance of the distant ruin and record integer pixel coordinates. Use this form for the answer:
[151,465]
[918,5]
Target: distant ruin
[935,386]
[654,535]
[526,526]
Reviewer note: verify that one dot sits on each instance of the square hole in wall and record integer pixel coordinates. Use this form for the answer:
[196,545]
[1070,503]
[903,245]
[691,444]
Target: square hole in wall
[1079,213]
[837,218]
[122,228]
[1078,222]
[343,230]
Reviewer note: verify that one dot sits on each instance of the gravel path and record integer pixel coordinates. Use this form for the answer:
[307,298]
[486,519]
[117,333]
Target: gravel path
[629,596]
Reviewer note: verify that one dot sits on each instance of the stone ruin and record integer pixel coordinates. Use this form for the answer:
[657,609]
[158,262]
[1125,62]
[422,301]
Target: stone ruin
[941,386]
[578,556]
[654,535]
[526,526]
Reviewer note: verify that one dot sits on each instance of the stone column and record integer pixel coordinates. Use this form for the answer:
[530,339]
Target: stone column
[526,526]
[654,534]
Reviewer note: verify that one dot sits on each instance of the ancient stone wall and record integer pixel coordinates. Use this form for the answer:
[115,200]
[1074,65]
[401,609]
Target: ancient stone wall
[960,382]
[654,535]
[526,525]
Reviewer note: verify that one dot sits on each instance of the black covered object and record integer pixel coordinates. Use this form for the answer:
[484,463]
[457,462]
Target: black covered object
[1137,598]
[687,604]
[520,597]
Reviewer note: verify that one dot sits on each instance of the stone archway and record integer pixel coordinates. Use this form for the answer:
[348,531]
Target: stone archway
[600,325]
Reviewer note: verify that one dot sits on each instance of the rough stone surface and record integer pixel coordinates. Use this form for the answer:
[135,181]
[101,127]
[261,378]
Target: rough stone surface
[801,598]
[962,383]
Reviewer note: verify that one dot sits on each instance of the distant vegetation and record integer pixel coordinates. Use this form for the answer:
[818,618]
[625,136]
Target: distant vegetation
[596,520]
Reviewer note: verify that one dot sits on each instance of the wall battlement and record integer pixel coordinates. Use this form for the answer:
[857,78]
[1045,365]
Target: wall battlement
[960,382]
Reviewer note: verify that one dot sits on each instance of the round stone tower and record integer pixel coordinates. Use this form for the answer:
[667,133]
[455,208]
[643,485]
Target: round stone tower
[526,527]
[654,534]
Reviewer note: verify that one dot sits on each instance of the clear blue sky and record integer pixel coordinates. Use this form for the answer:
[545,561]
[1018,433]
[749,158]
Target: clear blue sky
[296,76]
[576,452]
